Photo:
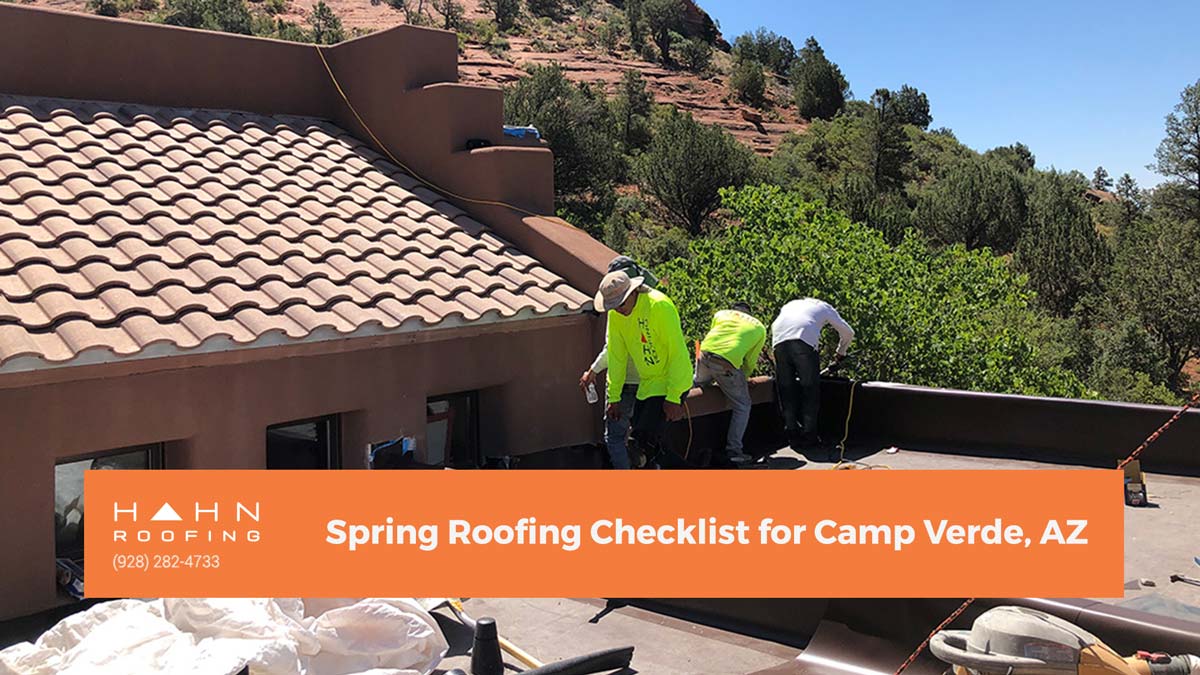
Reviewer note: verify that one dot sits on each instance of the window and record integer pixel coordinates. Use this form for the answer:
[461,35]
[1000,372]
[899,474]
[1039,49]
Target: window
[452,431]
[68,491]
[305,444]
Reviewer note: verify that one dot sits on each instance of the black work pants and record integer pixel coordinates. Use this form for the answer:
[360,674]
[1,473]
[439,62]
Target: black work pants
[798,383]
[649,434]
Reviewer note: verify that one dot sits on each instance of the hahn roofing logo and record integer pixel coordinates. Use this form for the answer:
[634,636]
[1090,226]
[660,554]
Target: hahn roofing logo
[209,523]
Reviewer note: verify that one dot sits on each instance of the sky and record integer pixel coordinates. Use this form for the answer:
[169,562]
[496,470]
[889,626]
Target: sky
[1083,84]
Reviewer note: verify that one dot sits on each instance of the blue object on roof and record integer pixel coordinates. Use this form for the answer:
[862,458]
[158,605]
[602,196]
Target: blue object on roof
[522,132]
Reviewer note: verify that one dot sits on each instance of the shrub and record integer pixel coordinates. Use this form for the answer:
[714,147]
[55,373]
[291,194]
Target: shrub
[325,24]
[548,8]
[104,7]
[452,13]
[817,83]
[226,16]
[608,33]
[577,124]
[978,203]
[773,51]
[747,82]
[695,55]
[921,316]
[274,7]
[687,164]
[503,11]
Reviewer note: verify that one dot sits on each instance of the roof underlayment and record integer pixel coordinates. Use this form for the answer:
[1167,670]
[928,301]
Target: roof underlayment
[129,231]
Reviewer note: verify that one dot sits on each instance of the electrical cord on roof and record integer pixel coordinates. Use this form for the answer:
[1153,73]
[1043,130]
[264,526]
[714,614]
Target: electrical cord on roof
[1192,402]
[363,123]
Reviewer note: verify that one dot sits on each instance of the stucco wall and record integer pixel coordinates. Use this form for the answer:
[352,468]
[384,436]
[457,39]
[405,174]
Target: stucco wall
[215,417]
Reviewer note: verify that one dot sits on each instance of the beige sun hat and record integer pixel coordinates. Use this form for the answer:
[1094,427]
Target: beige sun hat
[615,289]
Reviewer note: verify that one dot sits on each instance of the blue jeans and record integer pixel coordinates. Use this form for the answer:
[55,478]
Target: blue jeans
[616,432]
[732,382]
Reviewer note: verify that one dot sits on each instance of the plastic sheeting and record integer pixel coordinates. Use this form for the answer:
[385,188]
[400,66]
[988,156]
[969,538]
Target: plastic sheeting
[214,636]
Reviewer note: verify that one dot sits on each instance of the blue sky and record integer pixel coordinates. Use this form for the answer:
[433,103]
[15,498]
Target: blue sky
[1081,83]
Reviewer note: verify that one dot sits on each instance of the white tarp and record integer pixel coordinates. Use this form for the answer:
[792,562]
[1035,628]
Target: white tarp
[216,636]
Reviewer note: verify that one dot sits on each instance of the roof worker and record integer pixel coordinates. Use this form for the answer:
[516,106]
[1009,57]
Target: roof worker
[643,327]
[616,430]
[728,355]
[795,338]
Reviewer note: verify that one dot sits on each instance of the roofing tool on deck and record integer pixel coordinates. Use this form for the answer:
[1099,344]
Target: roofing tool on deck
[485,649]
[1183,578]
[1010,640]
[455,605]
[602,661]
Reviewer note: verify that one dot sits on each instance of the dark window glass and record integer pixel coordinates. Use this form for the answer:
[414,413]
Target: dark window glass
[68,491]
[452,431]
[306,444]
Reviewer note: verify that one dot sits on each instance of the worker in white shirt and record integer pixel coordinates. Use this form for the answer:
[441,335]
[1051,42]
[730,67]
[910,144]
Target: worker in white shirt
[795,339]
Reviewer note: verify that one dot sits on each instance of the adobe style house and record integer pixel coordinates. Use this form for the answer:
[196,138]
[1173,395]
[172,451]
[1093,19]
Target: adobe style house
[205,262]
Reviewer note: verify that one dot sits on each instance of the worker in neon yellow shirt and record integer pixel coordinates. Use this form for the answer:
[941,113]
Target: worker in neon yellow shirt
[643,326]
[729,355]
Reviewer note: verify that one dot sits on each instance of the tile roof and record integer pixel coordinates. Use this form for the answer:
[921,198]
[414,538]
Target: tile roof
[129,230]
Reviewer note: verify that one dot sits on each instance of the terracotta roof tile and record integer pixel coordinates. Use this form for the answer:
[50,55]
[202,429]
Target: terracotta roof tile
[126,227]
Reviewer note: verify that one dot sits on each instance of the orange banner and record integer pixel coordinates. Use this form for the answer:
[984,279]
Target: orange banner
[604,533]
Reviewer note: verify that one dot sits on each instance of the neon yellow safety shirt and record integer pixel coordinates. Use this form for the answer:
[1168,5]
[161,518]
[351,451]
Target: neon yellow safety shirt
[736,337]
[652,339]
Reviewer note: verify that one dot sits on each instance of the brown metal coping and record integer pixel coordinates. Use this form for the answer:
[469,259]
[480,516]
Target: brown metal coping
[1056,430]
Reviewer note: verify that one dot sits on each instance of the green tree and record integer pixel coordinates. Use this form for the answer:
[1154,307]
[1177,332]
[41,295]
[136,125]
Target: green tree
[695,55]
[821,161]
[1017,155]
[817,83]
[226,16]
[1060,250]
[773,51]
[935,317]
[452,13]
[577,124]
[608,33]
[1178,155]
[548,8]
[889,152]
[662,18]
[1156,278]
[504,12]
[912,106]
[325,24]
[686,166]
[979,202]
[747,82]
[1131,200]
[631,110]
[637,26]
[1100,180]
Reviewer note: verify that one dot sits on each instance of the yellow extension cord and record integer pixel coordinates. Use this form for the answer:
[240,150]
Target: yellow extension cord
[842,464]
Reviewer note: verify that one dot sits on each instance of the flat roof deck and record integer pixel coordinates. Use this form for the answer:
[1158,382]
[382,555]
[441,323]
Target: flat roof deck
[1156,541]
[1155,548]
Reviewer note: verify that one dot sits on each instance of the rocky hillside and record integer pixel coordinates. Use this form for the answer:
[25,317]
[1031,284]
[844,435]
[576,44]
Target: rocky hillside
[574,42]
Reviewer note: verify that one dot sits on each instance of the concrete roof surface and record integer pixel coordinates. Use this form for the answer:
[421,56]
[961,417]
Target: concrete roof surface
[129,230]
[1156,543]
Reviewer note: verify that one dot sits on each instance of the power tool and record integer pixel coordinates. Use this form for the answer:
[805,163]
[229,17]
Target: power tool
[1009,640]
